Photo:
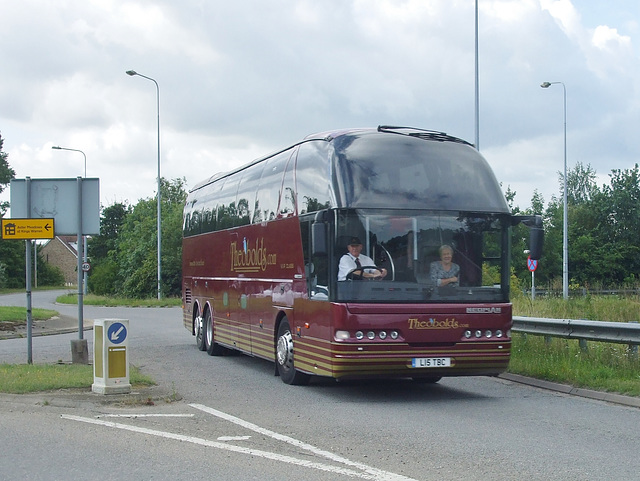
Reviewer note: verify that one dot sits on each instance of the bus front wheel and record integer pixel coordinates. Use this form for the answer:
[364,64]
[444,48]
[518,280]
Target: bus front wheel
[284,357]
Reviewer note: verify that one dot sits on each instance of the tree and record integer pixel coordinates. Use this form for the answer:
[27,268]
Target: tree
[136,251]
[12,265]
[6,174]
[111,221]
[103,278]
[581,184]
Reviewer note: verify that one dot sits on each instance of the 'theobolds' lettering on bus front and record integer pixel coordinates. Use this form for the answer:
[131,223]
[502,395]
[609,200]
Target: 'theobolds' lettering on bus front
[435,324]
[251,259]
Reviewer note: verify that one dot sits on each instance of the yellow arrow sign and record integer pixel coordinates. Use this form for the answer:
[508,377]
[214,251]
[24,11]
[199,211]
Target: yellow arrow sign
[27,229]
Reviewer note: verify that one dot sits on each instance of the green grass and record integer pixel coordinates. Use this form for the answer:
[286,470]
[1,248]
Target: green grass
[9,313]
[29,378]
[93,300]
[601,367]
[604,308]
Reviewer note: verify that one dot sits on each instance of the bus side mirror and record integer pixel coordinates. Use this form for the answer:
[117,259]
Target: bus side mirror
[536,239]
[319,239]
[536,234]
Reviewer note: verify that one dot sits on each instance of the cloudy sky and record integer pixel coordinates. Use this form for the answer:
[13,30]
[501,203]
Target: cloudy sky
[239,79]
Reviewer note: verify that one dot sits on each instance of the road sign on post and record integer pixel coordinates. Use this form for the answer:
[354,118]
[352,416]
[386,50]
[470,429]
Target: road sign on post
[24,229]
[532,265]
[110,357]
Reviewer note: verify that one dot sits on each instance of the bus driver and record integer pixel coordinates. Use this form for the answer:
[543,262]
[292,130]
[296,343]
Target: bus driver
[355,260]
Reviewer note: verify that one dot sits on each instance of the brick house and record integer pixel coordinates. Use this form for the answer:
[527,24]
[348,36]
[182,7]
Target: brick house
[62,251]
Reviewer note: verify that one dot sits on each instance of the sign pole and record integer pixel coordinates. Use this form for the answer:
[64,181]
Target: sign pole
[28,281]
[80,272]
[532,265]
[533,285]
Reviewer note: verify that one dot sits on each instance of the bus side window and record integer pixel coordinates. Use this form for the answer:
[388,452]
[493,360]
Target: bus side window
[312,171]
[267,197]
[287,205]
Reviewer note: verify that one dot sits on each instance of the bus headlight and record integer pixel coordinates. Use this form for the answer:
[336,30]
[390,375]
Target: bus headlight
[371,335]
[359,335]
[394,335]
[342,335]
[383,335]
[498,333]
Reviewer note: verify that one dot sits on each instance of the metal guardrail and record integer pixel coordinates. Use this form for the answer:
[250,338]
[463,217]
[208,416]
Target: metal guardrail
[615,332]
[583,292]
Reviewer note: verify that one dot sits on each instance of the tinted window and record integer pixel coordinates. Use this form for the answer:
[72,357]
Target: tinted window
[312,177]
[246,198]
[383,170]
[266,206]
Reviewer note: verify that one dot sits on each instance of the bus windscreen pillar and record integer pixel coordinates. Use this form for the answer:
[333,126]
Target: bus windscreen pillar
[111,356]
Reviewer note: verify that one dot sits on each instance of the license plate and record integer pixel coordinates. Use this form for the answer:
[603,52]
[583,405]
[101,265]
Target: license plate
[431,362]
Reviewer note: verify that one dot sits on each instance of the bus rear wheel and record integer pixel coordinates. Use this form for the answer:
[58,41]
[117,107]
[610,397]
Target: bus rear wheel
[284,357]
[211,346]
[198,328]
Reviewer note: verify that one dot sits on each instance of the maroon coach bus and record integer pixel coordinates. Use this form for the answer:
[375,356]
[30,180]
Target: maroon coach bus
[262,246]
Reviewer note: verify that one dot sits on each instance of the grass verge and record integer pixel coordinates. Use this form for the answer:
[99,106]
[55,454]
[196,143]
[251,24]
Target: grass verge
[94,300]
[602,366]
[10,313]
[30,378]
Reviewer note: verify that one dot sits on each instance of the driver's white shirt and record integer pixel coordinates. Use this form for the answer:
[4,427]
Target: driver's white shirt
[348,263]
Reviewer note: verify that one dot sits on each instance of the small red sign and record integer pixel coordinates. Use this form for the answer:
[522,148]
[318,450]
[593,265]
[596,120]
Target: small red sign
[532,264]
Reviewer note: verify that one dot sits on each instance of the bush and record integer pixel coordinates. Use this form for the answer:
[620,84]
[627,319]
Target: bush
[103,279]
[49,275]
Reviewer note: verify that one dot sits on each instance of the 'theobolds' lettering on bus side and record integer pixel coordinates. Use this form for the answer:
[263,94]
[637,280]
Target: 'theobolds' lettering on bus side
[251,259]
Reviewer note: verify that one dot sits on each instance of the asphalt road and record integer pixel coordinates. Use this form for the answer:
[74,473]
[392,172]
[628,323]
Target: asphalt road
[236,421]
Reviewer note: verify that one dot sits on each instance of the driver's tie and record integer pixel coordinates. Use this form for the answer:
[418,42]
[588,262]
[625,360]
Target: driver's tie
[358,265]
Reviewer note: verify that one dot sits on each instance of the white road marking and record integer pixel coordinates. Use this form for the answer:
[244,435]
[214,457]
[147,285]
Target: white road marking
[233,438]
[366,472]
[376,474]
[133,416]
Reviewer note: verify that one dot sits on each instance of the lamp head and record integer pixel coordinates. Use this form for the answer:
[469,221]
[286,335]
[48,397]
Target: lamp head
[544,85]
[57,147]
[132,72]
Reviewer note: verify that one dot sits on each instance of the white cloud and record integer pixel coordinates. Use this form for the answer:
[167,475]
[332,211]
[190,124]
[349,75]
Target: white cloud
[240,79]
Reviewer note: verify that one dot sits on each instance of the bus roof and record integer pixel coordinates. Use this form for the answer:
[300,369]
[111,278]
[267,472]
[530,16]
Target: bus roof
[330,135]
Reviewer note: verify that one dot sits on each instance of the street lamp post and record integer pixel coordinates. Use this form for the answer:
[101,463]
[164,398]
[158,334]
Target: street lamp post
[565,229]
[477,88]
[56,147]
[132,73]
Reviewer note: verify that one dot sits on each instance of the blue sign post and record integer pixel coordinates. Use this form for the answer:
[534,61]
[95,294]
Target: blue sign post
[117,333]
[532,265]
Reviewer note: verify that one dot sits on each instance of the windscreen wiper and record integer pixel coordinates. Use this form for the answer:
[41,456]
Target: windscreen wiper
[422,134]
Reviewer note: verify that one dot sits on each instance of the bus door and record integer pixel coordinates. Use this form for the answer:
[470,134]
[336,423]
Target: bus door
[238,314]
